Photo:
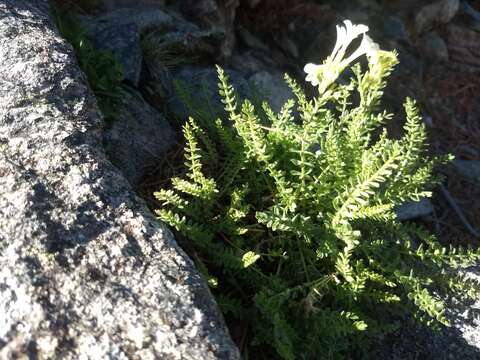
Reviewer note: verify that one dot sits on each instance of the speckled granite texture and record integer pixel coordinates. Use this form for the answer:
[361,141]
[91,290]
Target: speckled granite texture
[86,272]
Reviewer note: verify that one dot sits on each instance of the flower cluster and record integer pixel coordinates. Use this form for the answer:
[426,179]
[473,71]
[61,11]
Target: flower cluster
[325,74]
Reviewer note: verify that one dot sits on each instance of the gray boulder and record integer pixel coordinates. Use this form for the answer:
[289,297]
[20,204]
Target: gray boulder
[437,13]
[198,95]
[459,341]
[214,15]
[115,4]
[86,272]
[251,61]
[469,169]
[414,209]
[272,88]
[120,30]
[124,43]
[145,18]
[394,28]
[433,48]
[137,137]
[177,45]
[168,39]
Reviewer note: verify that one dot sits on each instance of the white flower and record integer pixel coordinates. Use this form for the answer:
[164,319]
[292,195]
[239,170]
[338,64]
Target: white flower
[345,35]
[367,46]
[325,74]
[312,71]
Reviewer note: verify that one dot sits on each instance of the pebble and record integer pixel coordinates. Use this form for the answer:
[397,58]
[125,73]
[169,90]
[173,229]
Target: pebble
[434,48]
[440,12]
[469,169]
[414,209]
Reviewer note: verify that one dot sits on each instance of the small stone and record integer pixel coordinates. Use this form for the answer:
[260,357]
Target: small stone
[272,88]
[251,40]
[120,31]
[124,43]
[394,28]
[201,86]
[440,12]
[138,136]
[469,169]
[414,209]
[214,15]
[434,48]
[428,120]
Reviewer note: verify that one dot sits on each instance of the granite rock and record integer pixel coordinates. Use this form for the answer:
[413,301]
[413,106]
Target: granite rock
[272,88]
[123,41]
[215,15]
[433,48]
[86,272]
[137,137]
[469,169]
[414,209]
[120,32]
[439,12]
[200,85]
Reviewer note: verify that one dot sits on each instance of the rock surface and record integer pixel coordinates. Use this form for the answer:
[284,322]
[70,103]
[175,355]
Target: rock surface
[138,136]
[434,48]
[114,4]
[120,31]
[460,341]
[215,15]
[85,270]
[145,18]
[440,12]
[272,88]
[124,43]
[469,169]
[414,209]
[200,85]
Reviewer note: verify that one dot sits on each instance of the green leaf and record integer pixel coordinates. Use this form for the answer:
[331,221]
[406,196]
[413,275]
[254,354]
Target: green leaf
[249,258]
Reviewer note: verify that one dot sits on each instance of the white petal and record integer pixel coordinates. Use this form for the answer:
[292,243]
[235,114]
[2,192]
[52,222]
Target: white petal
[372,46]
[367,46]
[354,30]
[348,25]
[310,68]
[341,38]
[360,29]
[311,77]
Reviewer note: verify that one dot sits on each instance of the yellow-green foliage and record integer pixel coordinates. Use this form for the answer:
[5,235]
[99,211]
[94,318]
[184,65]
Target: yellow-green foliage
[291,219]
